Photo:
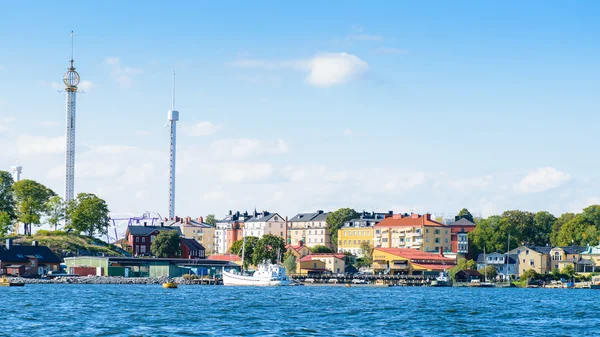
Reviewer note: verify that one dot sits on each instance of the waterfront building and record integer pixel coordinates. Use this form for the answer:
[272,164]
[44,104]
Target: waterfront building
[226,257]
[592,253]
[299,251]
[27,260]
[412,231]
[409,261]
[334,263]
[467,276]
[310,228]
[265,223]
[561,257]
[191,249]
[507,265]
[229,230]
[356,231]
[459,238]
[533,257]
[146,267]
[198,230]
[140,238]
[309,267]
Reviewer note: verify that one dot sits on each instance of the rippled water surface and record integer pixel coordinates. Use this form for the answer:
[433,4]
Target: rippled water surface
[149,310]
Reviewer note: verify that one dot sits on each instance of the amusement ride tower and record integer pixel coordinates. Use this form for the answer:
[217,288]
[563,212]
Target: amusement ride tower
[71,80]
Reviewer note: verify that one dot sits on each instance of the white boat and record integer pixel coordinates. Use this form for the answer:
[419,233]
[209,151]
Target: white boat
[267,274]
[443,280]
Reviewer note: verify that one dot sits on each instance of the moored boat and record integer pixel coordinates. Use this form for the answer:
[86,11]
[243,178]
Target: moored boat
[267,274]
[443,280]
[5,282]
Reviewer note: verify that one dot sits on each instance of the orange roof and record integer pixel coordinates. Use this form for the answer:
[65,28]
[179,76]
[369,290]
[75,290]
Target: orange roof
[399,220]
[225,257]
[296,248]
[415,254]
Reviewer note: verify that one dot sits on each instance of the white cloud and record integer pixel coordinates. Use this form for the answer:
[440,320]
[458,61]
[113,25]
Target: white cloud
[50,124]
[201,129]
[391,51]
[467,185]
[122,75]
[6,123]
[347,132]
[333,69]
[40,145]
[142,133]
[86,85]
[244,173]
[247,147]
[324,70]
[542,179]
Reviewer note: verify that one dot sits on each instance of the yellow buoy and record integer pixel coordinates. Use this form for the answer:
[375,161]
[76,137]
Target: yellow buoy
[169,284]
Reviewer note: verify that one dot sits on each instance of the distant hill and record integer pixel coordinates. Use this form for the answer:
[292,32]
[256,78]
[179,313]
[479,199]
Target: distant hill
[68,244]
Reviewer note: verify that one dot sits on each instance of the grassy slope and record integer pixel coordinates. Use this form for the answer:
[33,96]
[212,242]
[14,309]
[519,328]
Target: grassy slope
[72,244]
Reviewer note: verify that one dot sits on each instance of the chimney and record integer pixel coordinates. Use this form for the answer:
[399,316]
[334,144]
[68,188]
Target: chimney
[162,224]
[8,244]
[441,251]
[230,212]
[200,219]
[414,216]
[427,216]
[34,243]
[320,211]
[300,243]
[145,223]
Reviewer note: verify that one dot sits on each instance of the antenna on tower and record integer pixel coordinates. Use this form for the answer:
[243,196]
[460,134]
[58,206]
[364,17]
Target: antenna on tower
[173,93]
[72,49]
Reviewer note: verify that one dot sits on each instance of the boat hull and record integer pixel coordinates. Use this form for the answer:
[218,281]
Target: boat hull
[230,279]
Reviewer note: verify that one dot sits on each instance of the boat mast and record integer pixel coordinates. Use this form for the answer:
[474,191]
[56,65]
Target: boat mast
[507,257]
[484,266]
[243,253]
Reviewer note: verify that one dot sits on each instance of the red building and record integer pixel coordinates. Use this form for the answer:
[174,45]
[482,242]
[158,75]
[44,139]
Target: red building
[459,237]
[139,238]
[235,233]
[191,249]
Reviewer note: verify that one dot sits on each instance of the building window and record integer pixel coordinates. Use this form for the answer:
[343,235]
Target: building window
[446,240]
[137,249]
[143,249]
[426,230]
[437,232]
[531,262]
[437,240]
[137,239]
[427,239]
[152,237]
[143,239]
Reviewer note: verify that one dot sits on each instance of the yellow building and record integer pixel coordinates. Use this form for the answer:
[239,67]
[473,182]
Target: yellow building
[412,231]
[357,231]
[199,231]
[335,263]
[310,267]
[407,261]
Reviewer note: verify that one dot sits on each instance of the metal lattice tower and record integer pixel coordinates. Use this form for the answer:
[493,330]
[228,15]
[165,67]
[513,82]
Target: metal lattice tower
[173,117]
[71,80]
[16,172]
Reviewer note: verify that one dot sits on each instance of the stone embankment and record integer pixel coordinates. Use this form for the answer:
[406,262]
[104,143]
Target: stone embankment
[97,280]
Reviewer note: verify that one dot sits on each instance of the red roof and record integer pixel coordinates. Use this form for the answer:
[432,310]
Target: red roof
[224,257]
[432,266]
[399,220]
[415,254]
[296,248]
[310,257]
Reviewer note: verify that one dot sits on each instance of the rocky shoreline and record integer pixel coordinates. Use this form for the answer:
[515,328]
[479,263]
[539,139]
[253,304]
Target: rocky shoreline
[99,280]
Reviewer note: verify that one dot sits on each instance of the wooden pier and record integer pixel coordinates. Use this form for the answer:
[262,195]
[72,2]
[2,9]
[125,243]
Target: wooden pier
[384,280]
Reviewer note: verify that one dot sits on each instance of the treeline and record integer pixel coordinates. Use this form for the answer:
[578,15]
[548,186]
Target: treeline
[33,204]
[539,229]
[268,247]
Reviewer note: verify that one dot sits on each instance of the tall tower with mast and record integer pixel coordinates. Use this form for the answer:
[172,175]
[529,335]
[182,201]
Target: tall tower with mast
[71,80]
[173,117]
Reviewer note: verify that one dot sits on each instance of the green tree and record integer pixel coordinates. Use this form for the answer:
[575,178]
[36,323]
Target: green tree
[166,244]
[236,248]
[290,264]
[489,272]
[543,222]
[557,225]
[88,214]
[531,275]
[464,213]
[367,251]
[568,271]
[31,198]
[336,220]
[55,210]
[268,247]
[7,200]
[462,264]
[6,224]
[319,249]
[211,219]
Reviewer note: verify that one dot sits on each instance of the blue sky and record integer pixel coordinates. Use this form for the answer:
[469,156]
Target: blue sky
[428,107]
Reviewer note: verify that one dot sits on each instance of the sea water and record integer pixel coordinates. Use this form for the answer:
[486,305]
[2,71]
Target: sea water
[150,310]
